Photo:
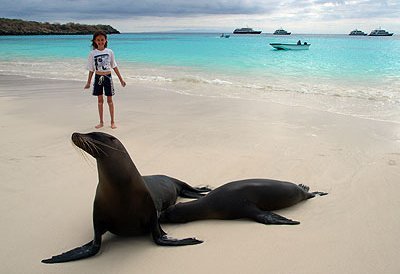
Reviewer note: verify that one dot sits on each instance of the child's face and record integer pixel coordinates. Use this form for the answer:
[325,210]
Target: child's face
[100,41]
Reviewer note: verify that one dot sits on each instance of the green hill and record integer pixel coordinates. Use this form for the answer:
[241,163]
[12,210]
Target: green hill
[21,27]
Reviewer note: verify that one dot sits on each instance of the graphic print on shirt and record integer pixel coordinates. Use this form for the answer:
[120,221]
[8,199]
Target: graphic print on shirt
[102,62]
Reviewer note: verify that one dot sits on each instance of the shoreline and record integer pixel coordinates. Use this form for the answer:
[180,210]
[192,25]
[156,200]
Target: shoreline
[325,97]
[48,186]
[377,103]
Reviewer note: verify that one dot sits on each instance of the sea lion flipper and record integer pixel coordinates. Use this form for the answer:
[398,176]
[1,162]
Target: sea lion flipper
[198,193]
[267,217]
[188,191]
[168,241]
[160,237]
[319,193]
[88,250]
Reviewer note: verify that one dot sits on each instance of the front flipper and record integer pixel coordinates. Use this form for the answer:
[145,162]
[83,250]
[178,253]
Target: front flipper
[161,238]
[85,251]
[167,241]
[88,250]
[267,217]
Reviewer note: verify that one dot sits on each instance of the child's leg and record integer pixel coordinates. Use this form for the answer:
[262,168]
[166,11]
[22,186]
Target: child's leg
[111,108]
[100,102]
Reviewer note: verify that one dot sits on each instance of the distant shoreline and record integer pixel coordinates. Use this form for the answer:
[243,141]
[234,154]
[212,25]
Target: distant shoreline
[53,34]
[17,27]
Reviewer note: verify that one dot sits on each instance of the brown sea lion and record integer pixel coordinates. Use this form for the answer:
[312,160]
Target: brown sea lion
[126,204]
[253,199]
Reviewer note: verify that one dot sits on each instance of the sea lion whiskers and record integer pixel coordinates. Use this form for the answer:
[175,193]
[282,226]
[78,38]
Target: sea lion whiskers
[92,145]
[88,146]
[84,155]
[104,144]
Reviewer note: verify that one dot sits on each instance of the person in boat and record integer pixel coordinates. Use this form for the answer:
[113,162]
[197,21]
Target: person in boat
[305,43]
[299,42]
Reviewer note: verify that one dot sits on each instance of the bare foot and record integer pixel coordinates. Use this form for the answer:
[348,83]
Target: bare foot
[113,126]
[99,125]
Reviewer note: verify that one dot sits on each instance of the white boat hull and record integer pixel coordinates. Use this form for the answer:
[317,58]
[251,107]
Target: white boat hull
[281,46]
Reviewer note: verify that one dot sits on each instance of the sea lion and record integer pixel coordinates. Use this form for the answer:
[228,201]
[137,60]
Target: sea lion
[126,204]
[252,198]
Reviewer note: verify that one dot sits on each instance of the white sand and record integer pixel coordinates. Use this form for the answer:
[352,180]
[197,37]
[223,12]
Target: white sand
[47,187]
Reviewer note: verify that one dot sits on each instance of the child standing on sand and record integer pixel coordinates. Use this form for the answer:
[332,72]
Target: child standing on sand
[101,61]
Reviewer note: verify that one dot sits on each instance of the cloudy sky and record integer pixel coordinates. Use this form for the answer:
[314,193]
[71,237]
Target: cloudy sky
[298,16]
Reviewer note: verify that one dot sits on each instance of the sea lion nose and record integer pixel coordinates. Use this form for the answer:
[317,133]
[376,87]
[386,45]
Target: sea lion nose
[75,136]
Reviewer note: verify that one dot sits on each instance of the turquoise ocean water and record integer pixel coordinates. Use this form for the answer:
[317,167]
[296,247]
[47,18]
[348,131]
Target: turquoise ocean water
[357,76]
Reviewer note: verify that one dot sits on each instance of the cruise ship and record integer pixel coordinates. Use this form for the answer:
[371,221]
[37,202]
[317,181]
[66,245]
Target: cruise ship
[357,32]
[281,32]
[380,32]
[246,31]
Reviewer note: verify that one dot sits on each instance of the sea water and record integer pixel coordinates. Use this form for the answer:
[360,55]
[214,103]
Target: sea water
[349,75]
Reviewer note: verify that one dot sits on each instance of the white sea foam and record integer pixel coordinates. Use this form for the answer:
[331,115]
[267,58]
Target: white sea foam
[364,100]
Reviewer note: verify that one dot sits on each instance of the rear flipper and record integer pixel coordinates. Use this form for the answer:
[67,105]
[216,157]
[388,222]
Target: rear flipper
[88,250]
[311,194]
[188,191]
[315,193]
[194,192]
[319,193]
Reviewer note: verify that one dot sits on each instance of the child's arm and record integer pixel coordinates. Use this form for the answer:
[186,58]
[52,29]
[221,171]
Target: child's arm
[119,77]
[89,80]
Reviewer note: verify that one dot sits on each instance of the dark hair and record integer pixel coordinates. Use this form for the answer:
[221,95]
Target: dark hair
[98,33]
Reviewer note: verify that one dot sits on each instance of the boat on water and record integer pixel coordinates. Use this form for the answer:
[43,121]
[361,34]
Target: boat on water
[281,32]
[357,32]
[223,35]
[380,32]
[246,31]
[290,46]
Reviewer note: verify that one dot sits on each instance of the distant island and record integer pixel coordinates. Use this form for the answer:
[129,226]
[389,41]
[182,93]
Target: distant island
[21,27]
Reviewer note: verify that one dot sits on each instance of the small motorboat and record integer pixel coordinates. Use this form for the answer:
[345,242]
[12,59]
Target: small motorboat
[223,35]
[290,46]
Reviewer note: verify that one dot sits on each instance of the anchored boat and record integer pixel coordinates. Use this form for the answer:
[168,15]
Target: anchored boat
[289,46]
[380,32]
[281,32]
[246,31]
[357,32]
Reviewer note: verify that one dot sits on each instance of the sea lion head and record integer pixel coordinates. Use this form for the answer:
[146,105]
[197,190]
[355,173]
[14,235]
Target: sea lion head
[99,144]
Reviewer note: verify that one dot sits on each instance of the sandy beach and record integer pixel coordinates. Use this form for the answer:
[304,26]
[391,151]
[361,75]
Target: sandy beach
[48,186]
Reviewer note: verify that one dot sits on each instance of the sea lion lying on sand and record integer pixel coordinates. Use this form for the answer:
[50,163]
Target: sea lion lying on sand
[253,199]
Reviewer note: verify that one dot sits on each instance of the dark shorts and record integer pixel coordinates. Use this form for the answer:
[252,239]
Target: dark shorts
[103,83]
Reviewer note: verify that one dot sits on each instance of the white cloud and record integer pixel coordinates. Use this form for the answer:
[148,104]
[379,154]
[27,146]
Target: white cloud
[313,16]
